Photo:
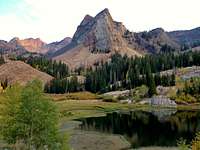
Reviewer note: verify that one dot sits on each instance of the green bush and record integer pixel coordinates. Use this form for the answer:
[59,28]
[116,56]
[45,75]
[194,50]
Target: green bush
[139,93]
[185,98]
[182,145]
[108,98]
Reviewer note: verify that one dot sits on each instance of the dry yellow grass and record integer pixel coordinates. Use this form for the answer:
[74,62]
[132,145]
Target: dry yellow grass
[20,72]
[74,96]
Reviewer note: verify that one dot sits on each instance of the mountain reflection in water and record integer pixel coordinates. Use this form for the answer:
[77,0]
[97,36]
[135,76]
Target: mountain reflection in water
[142,128]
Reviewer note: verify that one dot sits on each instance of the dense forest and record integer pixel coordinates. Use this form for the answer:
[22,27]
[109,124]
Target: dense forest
[123,72]
[61,86]
[58,70]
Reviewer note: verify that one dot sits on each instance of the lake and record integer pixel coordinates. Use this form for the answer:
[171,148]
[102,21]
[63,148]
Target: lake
[147,128]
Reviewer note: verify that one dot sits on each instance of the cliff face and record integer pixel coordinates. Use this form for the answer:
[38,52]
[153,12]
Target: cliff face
[55,46]
[11,48]
[96,39]
[32,45]
[100,33]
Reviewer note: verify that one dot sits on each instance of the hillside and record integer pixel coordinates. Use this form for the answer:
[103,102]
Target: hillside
[17,71]
[189,37]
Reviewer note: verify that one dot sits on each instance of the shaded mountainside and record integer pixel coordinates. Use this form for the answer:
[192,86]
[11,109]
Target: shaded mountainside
[11,48]
[190,37]
[20,72]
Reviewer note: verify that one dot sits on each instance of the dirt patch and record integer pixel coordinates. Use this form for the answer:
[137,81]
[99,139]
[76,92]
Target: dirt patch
[85,140]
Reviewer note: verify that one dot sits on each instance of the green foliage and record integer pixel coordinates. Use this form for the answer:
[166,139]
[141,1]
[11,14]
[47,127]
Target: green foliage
[196,142]
[185,98]
[30,118]
[56,69]
[139,93]
[10,106]
[123,72]
[190,92]
[182,145]
[108,98]
[61,86]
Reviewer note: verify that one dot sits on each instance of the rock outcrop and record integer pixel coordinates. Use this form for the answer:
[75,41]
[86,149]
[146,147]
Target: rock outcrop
[190,38]
[96,39]
[101,33]
[32,45]
[18,47]
[161,101]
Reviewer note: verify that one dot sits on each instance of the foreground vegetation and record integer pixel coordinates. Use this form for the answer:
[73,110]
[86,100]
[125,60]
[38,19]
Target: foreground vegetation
[194,145]
[28,119]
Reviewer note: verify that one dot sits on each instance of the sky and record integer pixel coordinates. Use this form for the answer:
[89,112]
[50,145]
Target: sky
[52,20]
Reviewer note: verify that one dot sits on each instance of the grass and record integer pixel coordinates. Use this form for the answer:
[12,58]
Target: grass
[72,109]
[74,96]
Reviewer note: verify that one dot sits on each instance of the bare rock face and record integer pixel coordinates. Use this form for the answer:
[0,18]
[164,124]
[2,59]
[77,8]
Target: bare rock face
[55,46]
[152,41]
[11,48]
[95,40]
[100,33]
[32,45]
[19,47]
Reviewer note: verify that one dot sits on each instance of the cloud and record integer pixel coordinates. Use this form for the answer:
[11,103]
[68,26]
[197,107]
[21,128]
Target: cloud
[53,20]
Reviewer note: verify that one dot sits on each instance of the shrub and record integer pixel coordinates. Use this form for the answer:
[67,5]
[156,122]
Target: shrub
[185,98]
[196,142]
[139,92]
[108,98]
[182,145]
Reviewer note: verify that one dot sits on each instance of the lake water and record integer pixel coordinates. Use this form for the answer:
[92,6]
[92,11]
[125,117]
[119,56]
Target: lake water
[147,128]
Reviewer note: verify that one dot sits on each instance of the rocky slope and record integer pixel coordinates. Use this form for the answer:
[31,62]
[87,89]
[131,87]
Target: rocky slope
[54,46]
[96,39]
[189,37]
[17,46]
[19,72]
[11,48]
[30,44]
[150,42]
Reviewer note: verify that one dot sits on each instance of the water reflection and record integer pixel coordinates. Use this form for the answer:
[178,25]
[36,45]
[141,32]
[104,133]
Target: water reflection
[141,128]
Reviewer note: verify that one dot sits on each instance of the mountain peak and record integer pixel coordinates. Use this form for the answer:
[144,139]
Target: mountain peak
[103,13]
[157,30]
[106,11]
[15,39]
[86,19]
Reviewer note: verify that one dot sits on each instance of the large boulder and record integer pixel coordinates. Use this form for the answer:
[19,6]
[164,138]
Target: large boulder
[161,101]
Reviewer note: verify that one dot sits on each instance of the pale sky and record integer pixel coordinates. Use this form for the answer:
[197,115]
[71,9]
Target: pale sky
[52,20]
